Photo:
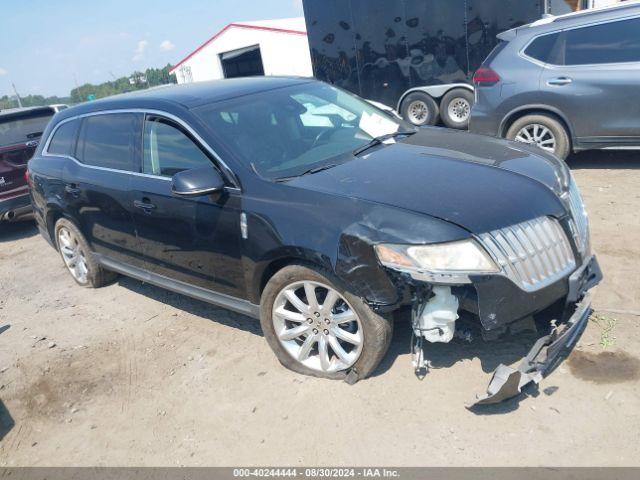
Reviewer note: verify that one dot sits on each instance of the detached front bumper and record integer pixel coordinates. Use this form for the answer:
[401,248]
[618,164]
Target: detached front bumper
[551,349]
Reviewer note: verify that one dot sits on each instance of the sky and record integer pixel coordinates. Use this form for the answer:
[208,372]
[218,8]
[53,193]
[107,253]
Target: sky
[49,47]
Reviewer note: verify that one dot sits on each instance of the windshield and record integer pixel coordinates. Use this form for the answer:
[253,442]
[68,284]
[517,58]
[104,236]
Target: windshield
[22,130]
[290,131]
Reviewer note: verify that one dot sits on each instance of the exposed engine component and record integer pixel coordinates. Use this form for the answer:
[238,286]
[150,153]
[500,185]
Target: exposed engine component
[437,320]
[434,321]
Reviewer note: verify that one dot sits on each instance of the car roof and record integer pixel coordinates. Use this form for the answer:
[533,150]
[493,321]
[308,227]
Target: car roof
[188,95]
[582,17]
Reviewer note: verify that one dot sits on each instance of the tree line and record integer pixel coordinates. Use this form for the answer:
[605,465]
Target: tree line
[151,77]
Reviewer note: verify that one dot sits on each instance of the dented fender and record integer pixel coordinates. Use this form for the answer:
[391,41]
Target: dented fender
[303,232]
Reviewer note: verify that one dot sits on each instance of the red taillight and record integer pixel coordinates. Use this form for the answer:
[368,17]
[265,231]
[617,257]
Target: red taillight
[486,76]
[26,176]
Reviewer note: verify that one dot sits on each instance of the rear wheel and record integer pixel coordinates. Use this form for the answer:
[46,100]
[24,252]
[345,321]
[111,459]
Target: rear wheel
[455,108]
[316,327]
[543,131]
[78,258]
[420,109]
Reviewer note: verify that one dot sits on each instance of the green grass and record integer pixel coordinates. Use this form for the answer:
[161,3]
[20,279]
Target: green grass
[607,326]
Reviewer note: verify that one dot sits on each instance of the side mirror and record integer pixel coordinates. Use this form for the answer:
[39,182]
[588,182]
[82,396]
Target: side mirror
[197,182]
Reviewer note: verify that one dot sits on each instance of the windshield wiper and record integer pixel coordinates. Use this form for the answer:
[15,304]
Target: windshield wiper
[379,140]
[311,171]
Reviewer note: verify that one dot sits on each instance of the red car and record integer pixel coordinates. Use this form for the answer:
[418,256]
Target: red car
[20,132]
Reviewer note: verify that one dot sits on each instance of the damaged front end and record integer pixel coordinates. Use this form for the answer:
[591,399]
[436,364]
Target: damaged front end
[549,350]
[545,354]
[528,268]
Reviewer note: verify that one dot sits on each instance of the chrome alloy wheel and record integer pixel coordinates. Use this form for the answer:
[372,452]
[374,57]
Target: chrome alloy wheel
[418,112]
[73,255]
[539,135]
[459,110]
[317,326]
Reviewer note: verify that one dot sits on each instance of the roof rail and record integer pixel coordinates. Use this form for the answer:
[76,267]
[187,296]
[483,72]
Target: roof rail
[627,5]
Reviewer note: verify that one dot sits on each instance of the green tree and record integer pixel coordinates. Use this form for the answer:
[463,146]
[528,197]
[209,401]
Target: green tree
[151,77]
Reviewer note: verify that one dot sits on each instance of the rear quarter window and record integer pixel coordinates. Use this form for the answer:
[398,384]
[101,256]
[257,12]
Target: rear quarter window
[542,48]
[64,139]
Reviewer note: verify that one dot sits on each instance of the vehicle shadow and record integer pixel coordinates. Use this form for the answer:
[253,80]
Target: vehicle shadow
[12,231]
[192,306]
[6,421]
[611,159]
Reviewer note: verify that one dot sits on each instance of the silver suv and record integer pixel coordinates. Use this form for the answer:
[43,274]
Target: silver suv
[565,83]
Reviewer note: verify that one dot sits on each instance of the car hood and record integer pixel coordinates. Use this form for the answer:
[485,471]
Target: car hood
[476,182]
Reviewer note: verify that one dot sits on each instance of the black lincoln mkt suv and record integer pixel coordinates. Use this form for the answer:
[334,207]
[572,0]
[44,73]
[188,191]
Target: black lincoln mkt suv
[302,205]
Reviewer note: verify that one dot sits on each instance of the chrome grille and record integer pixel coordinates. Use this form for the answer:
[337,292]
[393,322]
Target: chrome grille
[580,222]
[532,254]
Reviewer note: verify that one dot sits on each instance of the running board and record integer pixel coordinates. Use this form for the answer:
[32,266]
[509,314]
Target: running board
[237,305]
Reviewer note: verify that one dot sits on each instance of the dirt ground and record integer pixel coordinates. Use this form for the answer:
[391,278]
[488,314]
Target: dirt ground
[134,375]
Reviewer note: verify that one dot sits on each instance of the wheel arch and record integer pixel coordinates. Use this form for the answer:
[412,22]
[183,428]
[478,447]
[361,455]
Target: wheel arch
[275,262]
[520,112]
[54,213]
[363,279]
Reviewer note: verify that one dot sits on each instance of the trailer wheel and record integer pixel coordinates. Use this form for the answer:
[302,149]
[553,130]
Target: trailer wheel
[420,109]
[456,108]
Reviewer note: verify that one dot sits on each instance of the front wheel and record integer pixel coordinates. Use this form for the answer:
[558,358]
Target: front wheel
[316,327]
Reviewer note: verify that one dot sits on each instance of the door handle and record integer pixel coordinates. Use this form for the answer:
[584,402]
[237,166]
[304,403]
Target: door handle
[559,81]
[72,189]
[145,205]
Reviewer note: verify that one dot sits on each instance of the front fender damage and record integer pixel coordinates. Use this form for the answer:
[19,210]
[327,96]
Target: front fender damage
[357,263]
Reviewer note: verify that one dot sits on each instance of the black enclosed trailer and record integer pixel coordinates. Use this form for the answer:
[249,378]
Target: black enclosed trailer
[416,56]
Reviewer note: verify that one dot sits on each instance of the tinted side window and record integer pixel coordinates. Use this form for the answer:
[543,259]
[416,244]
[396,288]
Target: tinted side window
[64,139]
[542,47]
[614,42]
[109,140]
[168,150]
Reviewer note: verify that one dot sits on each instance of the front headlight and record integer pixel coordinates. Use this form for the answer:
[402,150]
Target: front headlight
[464,256]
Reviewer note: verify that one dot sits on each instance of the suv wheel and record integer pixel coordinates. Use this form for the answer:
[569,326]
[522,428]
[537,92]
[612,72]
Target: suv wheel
[77,256]
[420,109]
[316,327]
[455,108]
[543,131]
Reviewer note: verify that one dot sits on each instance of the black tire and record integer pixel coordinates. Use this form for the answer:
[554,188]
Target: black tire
[421,102]
[462,100]
[562,142]
[96,275]
[376,329]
